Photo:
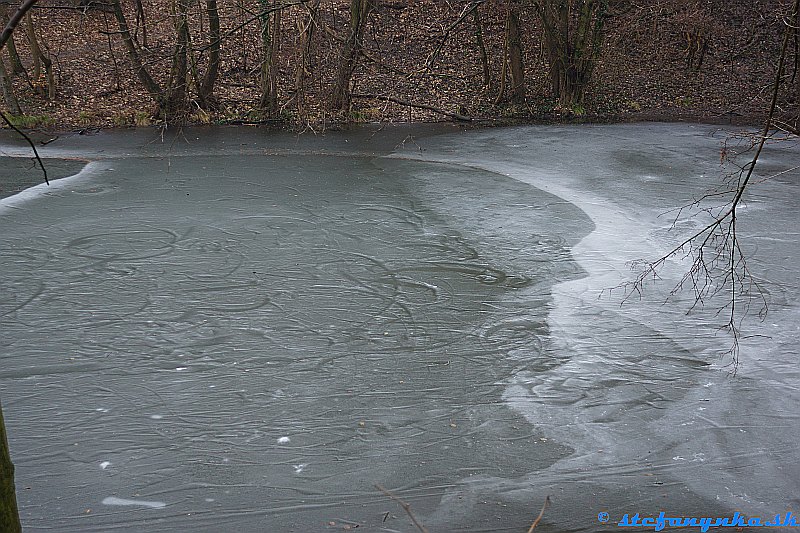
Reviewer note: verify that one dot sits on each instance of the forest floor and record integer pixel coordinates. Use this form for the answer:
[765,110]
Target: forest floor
[414,54]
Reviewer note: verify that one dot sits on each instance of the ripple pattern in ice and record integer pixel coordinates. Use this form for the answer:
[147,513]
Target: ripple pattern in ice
[265,343]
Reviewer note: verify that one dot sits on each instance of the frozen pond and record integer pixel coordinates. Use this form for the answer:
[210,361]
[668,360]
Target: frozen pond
[240,331]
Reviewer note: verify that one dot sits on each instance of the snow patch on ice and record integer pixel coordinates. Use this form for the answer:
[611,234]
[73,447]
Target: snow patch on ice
[113,500]
[17,200]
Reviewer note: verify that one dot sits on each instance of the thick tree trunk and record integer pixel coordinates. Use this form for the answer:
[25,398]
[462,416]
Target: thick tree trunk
[573,33]
[555,18]
[351,50]
[9,514]
[176,101]
[205,91]
[340,97]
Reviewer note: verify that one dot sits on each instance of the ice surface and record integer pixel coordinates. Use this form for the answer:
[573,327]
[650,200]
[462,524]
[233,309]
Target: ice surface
[628,396]
[252,331]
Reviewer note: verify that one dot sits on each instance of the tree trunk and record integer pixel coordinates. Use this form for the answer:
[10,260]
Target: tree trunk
[268,103]
[141,23]
[205,91]
[306,30]
[348,59]
[176,100]
[515,57]
[37,63]
[573,33]
[487,76]
[45,84]
[9,514]
[8,90]
[135,58]
[16,63]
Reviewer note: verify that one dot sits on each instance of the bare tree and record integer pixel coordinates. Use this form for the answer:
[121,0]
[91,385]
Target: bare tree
[306,27]
[141,24]
[269,20]
[479,42]
[44,82]
[135,56]
[349,55]
[514,39]
[468,8]
[698,26]
[172,99]
[573,34]
[176,102]
[512,58]
[205,87]
[5,37]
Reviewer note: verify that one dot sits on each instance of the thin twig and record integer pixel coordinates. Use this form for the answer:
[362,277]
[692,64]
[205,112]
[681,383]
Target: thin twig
[541,514]
[457,116]
[469,8]
[406,507]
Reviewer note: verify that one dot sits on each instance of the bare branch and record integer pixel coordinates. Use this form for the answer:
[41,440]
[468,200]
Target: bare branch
[457,116]
[469,8]
[30,142]
[719,265]
[406,507]
[541,514]
[14,21]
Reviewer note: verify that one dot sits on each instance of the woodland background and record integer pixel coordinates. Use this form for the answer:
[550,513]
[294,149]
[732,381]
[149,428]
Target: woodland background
[314,63]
